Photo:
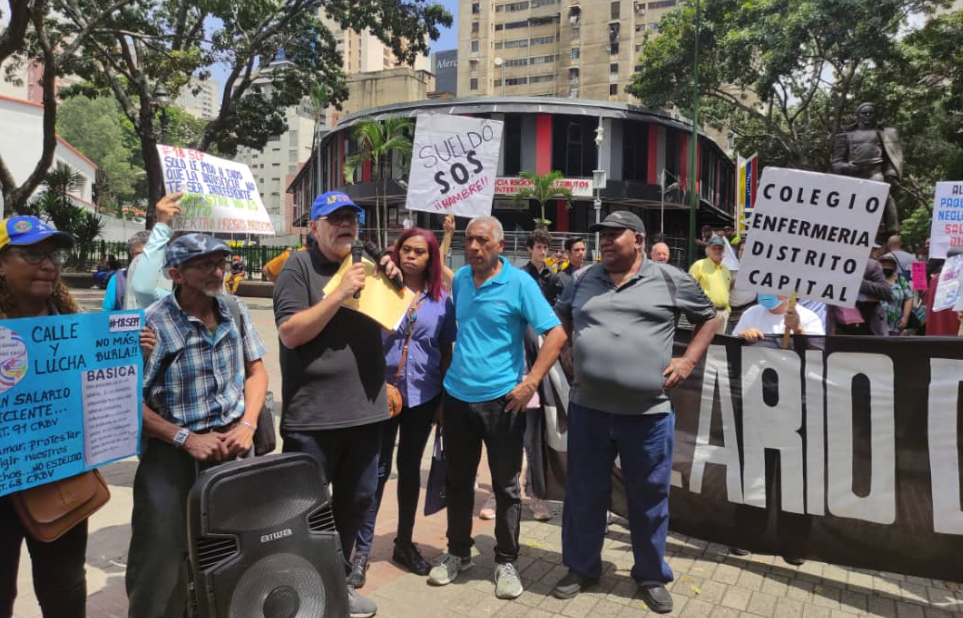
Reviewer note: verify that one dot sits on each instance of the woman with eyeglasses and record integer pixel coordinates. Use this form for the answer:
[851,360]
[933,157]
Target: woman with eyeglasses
[31,257]
[417,355]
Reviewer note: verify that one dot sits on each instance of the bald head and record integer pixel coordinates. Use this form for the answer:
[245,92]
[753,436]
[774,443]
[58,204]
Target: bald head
[660,252]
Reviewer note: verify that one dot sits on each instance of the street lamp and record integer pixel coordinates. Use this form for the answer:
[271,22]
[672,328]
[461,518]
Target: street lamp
[598,179]
[500,64]
[161,100]
[675,185]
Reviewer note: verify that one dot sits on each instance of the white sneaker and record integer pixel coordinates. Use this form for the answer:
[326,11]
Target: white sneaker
[447,569]
[488,511]
[540,510]
[507,583]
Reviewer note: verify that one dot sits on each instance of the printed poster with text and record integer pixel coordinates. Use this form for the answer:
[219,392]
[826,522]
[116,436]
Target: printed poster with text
[810,234]
[454,161]
[219,195]
[946,231]
[70,395]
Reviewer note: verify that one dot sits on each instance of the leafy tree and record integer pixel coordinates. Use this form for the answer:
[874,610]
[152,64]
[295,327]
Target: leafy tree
[377,141]
[543,189]
[29,33]
[275,52]
[785,76]
[89,227]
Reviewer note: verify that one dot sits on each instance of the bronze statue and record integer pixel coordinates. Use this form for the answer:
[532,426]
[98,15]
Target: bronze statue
[870,150]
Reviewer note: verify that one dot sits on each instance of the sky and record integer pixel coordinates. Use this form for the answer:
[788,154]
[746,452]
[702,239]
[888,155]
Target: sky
[449,36]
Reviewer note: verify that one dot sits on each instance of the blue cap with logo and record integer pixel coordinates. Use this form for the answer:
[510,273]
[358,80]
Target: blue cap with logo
[327,203]
[717,240]
[21,231]
[190,246]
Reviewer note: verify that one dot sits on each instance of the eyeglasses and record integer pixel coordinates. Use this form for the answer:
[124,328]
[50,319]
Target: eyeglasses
[209,266]
[340,218]
[35,256]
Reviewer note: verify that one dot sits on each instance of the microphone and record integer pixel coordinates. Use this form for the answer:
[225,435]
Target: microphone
[372,250]
[356,249]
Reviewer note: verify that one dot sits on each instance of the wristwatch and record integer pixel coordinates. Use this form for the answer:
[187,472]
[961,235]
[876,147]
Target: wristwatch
[181,437]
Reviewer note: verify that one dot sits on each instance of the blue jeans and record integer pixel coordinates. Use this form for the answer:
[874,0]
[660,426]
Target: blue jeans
[349,459]
[644,445]
[415,427]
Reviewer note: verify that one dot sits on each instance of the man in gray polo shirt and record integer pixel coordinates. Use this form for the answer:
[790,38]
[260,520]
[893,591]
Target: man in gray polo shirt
[622,314]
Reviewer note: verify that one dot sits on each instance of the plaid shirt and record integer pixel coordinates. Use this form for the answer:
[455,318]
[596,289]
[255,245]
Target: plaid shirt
[195,379]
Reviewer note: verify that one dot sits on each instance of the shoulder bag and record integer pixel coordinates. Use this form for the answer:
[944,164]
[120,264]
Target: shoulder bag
[50,511]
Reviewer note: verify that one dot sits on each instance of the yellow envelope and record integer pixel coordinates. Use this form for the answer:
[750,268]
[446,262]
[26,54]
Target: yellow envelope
[380,299]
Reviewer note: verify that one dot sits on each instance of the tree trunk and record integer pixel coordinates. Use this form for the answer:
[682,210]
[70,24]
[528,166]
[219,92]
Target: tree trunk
[155,174]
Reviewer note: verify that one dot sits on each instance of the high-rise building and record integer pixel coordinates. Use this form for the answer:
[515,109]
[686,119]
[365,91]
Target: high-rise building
[444,65]
[200,98]
[582,49]
[364,52]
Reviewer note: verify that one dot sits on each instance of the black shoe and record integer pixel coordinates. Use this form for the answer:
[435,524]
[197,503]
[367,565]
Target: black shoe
[358,576]
[571,585]
[407,555]
[657,598]
[738,551]
[794,560]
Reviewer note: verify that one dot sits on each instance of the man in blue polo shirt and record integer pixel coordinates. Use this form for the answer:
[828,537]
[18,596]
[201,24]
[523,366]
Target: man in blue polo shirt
[485,391]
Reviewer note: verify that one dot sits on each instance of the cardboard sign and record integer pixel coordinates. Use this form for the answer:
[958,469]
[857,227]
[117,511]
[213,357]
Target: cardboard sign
[920,284]
[946,231]
[70,395]
[948,285]
[219,195]
[810,234]
[453,164]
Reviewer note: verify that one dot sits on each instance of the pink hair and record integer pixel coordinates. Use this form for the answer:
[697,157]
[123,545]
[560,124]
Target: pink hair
[433,276]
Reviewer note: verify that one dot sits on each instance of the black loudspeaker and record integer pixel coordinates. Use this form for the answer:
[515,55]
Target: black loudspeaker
[263,542]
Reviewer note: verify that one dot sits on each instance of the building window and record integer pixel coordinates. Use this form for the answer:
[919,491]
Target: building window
[543,59]
[575,53]
[516,81]
[512,25]
[613,89]
[475,8]
[616,9]
[473,83]
[575,33]
[639,27]
[515,6]
[541,21]
[614,68]
[662,4]
[497,83]
[540,79]
[512,136]
[573,145]
[517,62]
[518,43]
[635,142]
[292,169]
[474,47]
[613,48]
[544,40]
[538,3]
[499,45]
[474,27]
[499,27]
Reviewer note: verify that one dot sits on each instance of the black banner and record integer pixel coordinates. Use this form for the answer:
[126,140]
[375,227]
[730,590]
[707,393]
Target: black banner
[840,449]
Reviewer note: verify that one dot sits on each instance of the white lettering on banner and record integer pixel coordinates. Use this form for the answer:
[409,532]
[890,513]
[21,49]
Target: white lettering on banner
[879,506]
[810,234]
[454,163]
[815,442]
[773,425]
[717,372]
[943,434]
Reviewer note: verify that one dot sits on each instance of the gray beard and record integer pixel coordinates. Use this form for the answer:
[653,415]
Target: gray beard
[214,293]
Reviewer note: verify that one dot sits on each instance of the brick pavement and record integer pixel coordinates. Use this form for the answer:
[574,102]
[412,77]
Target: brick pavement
[709,583]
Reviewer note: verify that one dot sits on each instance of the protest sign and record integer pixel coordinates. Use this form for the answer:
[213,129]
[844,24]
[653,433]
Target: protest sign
[380,300]
[810,234]
[946,231]
[948,285]
[70,395]
[729,259]
[454,161]
[919,277]
[219,195]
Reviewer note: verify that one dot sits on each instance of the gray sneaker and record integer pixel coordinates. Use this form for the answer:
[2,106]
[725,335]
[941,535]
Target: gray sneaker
[447,569]
[507,583]
[359,606]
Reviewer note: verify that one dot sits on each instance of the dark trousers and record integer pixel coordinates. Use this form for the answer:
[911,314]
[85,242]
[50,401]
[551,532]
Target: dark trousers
[414,426]
[644,446]
[467,426]
[59,578]
[157,560]
[349,459]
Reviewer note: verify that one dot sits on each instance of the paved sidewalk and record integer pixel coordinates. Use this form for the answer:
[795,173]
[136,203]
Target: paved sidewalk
[709,583]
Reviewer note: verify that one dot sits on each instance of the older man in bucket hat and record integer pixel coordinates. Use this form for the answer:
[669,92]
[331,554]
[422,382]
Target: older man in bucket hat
[621,315]
[204,386]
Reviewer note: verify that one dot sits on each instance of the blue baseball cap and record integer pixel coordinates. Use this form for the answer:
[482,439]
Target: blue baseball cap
[717,240]
[190,246]
[20,231]
[327,203]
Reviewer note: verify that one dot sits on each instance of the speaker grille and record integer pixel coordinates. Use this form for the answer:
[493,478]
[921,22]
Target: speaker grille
[322,520]
[279,586]
[213,551]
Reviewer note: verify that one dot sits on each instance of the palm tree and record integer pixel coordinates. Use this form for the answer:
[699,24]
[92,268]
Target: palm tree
[542,189]
[89,227]
[376,141]
[59,208]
